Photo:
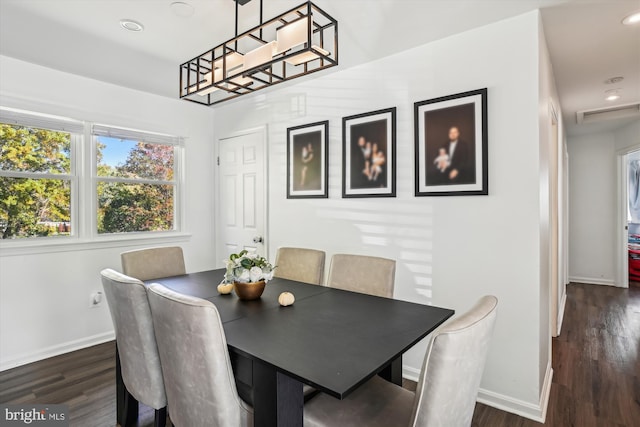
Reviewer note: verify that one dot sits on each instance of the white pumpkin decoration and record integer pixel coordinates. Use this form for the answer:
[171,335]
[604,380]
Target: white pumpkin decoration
[225,288]
[286,298]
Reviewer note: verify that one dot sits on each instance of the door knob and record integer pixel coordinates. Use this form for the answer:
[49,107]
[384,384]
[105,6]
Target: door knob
[258,239]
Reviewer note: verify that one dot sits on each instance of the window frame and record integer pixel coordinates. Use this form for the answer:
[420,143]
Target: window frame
[83,181]
[139,136]
[55,124]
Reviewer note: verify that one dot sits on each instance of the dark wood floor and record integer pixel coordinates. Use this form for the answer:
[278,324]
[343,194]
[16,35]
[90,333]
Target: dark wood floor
[596,366]
[596,363]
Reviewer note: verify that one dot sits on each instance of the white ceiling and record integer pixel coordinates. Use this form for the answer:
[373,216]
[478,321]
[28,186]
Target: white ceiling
[588,45]
[586,40]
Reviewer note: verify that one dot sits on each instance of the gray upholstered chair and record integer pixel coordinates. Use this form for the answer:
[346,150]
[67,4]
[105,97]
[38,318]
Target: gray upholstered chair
[447,390]
[302,265]
[201,388]
[139,359]
[153,263]
[364,274]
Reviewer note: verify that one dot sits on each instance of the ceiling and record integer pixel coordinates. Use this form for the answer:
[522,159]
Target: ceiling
[587,43]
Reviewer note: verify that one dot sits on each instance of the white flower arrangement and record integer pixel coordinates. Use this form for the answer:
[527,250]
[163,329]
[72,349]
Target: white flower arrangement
[247,267]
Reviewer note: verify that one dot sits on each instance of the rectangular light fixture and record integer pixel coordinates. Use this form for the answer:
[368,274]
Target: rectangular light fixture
[315,53]
[259,56]
[292,35]
[298,42]
[231,61]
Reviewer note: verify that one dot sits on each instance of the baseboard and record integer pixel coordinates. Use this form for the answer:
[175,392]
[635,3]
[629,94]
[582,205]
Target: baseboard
[506,403]
[410,373]
[519,407]
[545,393]
[563,302]
[592,281]
[56,350]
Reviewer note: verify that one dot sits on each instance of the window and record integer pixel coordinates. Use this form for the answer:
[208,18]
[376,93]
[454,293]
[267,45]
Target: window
[62,178]
[135,175]
[37,174]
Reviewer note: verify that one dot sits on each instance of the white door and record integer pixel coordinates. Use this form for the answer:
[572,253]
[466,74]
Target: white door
[242,183]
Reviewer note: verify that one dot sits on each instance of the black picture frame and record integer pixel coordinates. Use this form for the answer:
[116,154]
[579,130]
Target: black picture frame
[308,161]
[443,167]
[369,154]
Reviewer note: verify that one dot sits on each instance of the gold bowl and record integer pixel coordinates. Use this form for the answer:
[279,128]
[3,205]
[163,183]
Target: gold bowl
[249,291]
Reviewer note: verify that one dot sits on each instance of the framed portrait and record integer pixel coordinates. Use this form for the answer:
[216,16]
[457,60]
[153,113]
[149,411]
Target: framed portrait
[308,161]
[369,154]
[451,145]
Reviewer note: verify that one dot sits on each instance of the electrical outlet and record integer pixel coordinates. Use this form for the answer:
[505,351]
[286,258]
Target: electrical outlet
[95,299]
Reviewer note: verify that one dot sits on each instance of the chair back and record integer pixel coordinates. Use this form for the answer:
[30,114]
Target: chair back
[153,263]
[452,370]
[139,359]
[302,265]
[364,274]
[201,388]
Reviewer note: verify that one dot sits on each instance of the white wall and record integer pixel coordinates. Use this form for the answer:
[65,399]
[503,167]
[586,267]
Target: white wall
[44,297]
[628,136]
[592,208]
[450,250]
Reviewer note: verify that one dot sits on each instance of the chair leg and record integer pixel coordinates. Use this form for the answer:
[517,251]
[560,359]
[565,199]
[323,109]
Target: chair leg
[126,404]
[160,418]
[130,410]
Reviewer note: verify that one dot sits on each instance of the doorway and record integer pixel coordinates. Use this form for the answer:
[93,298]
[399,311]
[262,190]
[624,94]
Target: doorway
[242,193]
[628,223]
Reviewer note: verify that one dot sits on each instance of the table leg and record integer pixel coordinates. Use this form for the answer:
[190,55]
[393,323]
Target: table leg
[126,404]
[277,398]
[243,373]
[393,371]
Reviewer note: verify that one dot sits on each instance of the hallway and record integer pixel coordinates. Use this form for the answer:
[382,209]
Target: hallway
[596,364]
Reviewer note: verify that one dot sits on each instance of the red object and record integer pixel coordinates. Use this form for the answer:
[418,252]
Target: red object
[634,265]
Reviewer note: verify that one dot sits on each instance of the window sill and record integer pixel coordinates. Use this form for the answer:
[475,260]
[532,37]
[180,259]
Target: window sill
[71,244]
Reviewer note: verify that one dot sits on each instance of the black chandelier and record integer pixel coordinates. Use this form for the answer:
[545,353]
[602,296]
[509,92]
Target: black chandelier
[298,42]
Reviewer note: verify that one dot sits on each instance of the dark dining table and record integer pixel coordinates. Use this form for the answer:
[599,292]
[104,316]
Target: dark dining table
[330,339]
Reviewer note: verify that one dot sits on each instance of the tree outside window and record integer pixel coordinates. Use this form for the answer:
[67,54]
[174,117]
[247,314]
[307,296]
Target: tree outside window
[35,182]
[136,186]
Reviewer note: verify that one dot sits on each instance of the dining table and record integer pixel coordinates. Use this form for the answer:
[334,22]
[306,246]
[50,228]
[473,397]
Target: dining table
[330,339]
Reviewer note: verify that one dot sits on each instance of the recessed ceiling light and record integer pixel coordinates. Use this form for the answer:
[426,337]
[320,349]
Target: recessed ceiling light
[614,80]
[183,9]
[131,25]
[612,95]
[632,18]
